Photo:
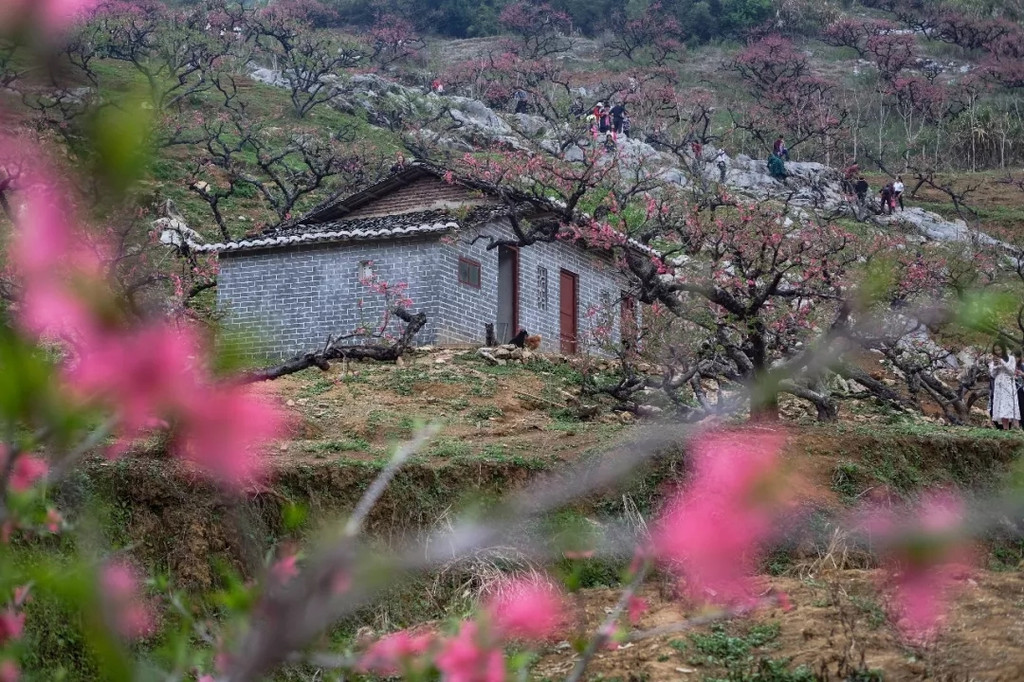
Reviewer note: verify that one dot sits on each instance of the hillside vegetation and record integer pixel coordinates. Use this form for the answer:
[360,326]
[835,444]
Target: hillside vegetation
[803,403]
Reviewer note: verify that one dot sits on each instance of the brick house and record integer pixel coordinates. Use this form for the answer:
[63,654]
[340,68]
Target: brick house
[287,289]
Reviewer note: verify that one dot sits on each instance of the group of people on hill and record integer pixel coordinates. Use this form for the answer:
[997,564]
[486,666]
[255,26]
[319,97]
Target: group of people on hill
[1007,389]
[889,196]
[610,121]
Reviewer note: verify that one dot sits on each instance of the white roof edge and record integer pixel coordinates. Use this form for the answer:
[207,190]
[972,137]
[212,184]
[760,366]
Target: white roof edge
[339,235]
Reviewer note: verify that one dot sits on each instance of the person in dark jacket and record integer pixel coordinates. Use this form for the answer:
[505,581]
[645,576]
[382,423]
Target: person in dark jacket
[862,188]
[522,99]
[604,121]
[779,148]
[618,113]
[885,196]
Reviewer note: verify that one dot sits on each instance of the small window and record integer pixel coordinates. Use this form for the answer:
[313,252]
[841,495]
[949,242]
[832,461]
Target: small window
[365,270]
[469,272]
[542,288]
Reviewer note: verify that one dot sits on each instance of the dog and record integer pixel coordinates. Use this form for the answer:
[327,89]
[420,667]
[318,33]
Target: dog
[524,340]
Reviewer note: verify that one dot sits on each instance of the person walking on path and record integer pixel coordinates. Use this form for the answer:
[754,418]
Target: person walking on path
[862,188]
[1003,370]
[897,188]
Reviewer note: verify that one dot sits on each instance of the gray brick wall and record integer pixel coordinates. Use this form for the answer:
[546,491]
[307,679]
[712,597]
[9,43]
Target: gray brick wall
[285,301]
[465,310]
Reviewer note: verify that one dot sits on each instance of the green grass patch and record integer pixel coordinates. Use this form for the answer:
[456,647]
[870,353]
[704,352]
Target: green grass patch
[449,448]
[342,445]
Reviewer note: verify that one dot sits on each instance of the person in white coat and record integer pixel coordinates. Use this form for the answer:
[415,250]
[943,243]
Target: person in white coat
[898,187]
[1003,370]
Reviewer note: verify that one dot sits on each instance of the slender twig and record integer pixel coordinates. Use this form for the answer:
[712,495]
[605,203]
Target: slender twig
[380,484]
[98,435]
[604,632]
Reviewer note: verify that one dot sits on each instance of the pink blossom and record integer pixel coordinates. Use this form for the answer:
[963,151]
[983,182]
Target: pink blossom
[393,654]
[223,430]
[52,15]
[27,470]
[49,310]
[925,558]
[131,614]
[530,609]
[465,659]
[9,671]
[284,569]
[143,373]
[714,528]
[21,594]
[53,520]
[11,625]
[637,608]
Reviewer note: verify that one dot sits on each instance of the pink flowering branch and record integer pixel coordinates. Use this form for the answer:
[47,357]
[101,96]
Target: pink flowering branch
[606,630]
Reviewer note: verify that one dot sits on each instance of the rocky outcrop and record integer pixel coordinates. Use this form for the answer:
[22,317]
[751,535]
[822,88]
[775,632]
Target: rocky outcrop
[467,124]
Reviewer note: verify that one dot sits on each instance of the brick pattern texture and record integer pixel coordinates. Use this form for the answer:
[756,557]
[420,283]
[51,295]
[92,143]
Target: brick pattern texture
[280,302]
[424,194]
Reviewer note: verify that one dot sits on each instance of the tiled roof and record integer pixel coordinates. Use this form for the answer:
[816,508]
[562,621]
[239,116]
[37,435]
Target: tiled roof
[367,229]
[318,226]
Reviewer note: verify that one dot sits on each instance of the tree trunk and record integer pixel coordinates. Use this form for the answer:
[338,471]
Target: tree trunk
[335,351]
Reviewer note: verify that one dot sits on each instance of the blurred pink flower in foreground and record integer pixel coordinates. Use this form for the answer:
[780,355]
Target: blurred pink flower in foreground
[637,608]
[531,609]
[394,654]
[9,671]
[925,557]
[284,569]
[27,470]
[131,613]
[714,528]
[51,15]
[465,658]
[223,429]
[146,373]
[11,625]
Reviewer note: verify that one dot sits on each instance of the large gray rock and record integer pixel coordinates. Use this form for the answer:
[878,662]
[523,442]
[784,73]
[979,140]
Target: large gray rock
[476,114]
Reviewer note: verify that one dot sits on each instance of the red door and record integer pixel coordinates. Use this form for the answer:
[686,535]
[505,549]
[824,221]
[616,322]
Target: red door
[627,322]
[567,306]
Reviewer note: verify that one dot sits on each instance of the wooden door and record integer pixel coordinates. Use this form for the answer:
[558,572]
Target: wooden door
[508,293]
[628,330]
[568,320]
